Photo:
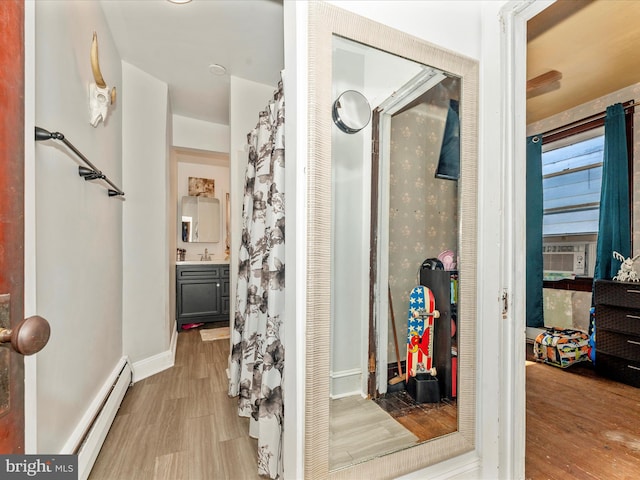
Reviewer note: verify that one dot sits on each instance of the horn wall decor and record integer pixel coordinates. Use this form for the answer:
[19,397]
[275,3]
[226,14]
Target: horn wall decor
[100,96]
[95,68]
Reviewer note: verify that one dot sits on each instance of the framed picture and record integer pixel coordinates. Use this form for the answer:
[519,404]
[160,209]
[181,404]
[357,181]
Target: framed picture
[202,187]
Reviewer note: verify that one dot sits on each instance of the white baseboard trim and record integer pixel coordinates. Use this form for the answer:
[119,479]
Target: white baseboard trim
[158,363]
[88,436]
[345,383]
[533,332]
[465,466]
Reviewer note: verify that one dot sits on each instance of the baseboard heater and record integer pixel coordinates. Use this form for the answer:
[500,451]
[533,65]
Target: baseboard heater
[98,426]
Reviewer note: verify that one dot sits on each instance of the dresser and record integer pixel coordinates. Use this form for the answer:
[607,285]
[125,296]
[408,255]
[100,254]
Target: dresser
[202,294]
[618,330]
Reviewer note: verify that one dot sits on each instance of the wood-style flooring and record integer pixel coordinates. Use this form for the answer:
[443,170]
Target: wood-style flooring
[425,420]
[180,424]
[580,426]
[360,430]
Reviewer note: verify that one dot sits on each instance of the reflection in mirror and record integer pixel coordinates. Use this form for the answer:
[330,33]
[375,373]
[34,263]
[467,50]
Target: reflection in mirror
[351,111]
[413,217]
[200,219]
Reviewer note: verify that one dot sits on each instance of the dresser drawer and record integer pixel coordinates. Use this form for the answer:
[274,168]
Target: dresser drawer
[619,369]
[189,272]
[618,344]
[618,294]
[618,319]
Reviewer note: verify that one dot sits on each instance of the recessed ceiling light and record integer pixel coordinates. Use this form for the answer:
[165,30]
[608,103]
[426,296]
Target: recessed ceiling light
[217,69]
[179,1]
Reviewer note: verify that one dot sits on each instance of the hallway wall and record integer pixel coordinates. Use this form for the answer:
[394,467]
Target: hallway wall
[78,285]
[147,324]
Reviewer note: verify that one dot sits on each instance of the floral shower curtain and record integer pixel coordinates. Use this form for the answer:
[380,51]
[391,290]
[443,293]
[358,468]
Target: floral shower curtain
[257,356]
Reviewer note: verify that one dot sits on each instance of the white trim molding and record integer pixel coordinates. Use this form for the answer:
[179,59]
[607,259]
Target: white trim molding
[345,383]
[88,436]
[157,363]
[514,16]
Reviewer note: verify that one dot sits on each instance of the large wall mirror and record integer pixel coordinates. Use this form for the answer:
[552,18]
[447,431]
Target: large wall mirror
[200,219]
[383,199]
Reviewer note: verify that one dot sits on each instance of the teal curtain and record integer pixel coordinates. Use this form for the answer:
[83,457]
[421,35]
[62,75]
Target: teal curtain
[614,228]
[535,314]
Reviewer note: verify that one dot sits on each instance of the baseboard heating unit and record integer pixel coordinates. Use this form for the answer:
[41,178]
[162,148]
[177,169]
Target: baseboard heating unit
[94,426]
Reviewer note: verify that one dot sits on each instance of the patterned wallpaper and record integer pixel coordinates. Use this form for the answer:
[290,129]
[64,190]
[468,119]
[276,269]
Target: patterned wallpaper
[423,217]
[571,309]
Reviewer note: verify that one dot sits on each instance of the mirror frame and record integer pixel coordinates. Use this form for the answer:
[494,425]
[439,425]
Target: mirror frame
[324,21]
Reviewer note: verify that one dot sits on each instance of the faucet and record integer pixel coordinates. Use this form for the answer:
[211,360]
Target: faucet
[205,257]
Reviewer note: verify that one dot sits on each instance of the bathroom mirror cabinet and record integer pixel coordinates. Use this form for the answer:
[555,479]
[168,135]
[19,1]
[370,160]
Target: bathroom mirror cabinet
[200,219]
[360,189]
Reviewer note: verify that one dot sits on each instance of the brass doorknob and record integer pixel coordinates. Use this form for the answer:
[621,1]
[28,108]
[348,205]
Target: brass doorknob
[29,336]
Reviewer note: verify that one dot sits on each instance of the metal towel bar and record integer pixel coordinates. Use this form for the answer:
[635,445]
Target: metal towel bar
[91,173]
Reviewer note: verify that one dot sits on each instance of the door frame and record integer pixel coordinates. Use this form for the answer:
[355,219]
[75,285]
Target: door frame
[378,333]
[30,362]
[514,17]
[12,230]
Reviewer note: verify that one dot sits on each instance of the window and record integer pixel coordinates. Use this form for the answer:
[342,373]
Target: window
[572,159]
[571,180]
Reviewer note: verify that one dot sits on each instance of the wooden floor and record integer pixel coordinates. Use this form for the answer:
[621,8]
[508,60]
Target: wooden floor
[424,420]
[181,424]
[580,426]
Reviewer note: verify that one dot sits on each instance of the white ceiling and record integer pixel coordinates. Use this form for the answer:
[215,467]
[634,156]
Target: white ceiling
[594,44]
[177,43]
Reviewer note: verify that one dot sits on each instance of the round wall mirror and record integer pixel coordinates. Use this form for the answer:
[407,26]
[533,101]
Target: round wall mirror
[351,111]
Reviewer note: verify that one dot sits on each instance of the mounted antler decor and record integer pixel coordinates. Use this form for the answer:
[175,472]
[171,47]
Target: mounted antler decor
[626,273]
[99,96]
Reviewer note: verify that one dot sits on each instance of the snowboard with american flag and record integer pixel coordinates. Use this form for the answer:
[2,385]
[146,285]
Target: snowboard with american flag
[421,314]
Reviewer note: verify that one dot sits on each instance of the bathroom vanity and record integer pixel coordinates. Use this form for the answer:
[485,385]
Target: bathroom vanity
[202,293]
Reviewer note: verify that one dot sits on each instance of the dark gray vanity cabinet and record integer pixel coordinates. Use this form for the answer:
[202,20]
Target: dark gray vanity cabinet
[202,294]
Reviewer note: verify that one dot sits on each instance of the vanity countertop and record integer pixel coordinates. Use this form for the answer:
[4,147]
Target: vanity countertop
[215,261]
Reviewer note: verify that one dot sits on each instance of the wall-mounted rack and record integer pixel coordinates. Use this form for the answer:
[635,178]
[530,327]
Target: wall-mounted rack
[91,173]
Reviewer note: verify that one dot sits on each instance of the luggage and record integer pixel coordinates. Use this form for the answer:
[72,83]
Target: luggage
[561,347]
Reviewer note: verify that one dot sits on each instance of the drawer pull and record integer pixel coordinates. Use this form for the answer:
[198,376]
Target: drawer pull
[631,366]
[633,342]
[633,291]
[633,316]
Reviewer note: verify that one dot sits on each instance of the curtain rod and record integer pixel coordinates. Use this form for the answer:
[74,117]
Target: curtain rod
[584,121]
[91,173]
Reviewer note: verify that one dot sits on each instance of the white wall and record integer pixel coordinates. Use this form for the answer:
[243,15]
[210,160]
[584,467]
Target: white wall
[78,238]
[247,99]
[201,135]
[145,158]
[295,16]
[454,25]
[350,203]
[172,226]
